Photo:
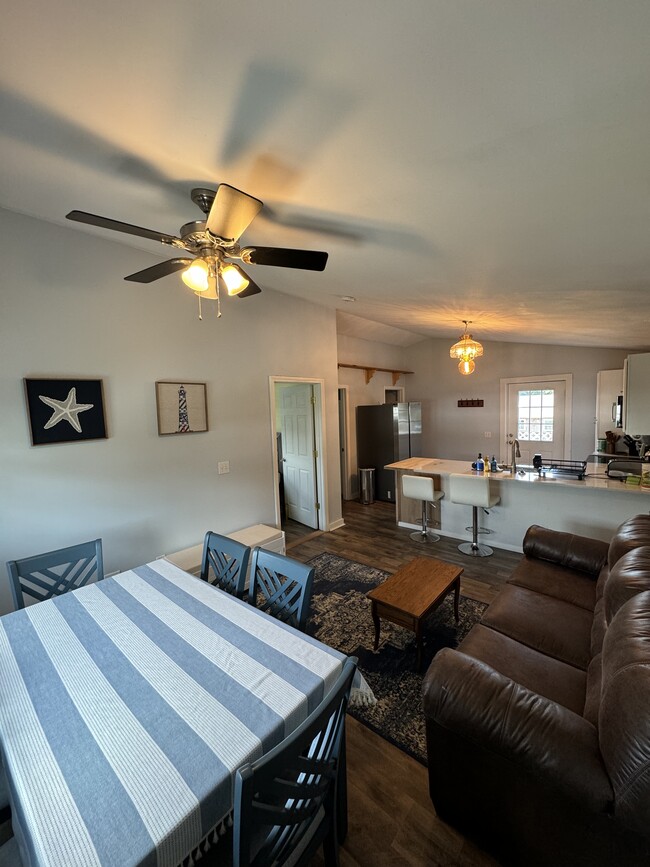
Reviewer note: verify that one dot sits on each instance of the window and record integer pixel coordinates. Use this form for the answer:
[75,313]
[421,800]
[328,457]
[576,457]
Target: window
[535,415]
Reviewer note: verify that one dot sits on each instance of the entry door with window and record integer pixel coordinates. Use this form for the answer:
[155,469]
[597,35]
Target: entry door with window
[536,417]
[295,420]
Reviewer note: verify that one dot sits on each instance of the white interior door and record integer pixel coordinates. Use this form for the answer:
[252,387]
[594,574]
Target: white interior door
[295,421]
[536,415]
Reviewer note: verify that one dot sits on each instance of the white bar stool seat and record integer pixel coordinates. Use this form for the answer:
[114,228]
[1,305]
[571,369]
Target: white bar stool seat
[472,491]
[421,488]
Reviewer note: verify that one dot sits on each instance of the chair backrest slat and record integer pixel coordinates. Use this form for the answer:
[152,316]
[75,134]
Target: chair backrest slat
[281,586]
[225,563]
[55,572]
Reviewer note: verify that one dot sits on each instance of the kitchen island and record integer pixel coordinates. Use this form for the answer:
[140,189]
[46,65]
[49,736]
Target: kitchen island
[593,506]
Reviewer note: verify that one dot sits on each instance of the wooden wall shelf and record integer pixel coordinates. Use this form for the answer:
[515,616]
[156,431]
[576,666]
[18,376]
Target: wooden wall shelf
[370,371]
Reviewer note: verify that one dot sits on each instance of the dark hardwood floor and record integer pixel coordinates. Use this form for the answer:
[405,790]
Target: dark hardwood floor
[392,821]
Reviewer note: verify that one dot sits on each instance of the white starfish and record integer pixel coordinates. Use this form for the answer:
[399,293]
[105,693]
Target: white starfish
[66,410]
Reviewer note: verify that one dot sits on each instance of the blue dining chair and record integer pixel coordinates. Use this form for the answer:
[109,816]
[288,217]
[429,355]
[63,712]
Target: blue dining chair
[286,804]
[5,810]
[46,575]
[225,563]
[10,854]
[281,586]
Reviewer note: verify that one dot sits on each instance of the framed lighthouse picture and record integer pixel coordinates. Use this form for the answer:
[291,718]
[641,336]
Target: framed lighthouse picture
[182,407]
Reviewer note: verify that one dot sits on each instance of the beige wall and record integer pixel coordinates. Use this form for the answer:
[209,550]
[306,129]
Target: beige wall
[66,311]
[458,433]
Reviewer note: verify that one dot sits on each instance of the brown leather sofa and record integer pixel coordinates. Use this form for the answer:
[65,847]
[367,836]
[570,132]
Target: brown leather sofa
[538,725]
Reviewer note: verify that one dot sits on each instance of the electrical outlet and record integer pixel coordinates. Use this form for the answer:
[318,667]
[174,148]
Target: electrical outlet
[488,434]
[223,467]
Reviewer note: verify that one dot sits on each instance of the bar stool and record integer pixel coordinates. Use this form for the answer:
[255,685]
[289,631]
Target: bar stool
[421,488]
[472,491]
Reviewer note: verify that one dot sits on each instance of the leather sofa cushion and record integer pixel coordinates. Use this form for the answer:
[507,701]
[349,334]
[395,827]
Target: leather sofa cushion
[602,580]
[598,628]
[624,720]
[549,625]
[578,588]
[566,549]
[629,576]
[539,673]
[592,694]
[632,533]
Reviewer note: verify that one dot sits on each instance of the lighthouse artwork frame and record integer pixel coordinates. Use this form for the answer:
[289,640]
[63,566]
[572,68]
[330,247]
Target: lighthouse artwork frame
[181,407]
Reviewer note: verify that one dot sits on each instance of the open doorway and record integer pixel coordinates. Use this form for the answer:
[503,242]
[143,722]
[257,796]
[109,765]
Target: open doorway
[298,461]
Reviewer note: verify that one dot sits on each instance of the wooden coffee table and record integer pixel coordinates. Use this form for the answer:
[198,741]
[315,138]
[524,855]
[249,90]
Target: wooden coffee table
[412,593]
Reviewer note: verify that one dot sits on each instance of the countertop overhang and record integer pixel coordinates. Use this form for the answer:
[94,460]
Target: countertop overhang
[595,478]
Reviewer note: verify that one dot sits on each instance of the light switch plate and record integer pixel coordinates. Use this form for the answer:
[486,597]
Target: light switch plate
[223,467]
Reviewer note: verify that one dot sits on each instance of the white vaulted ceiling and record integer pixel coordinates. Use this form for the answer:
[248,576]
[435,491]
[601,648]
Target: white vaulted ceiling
[458,159]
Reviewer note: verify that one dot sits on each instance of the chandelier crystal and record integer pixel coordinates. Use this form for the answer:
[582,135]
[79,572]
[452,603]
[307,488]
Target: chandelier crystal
[465,350]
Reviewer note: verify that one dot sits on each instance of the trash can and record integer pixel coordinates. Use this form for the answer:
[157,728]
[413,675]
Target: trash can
[366,485]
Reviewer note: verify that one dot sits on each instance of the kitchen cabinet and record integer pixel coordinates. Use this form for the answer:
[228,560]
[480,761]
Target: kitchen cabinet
[637,394]
[609,386]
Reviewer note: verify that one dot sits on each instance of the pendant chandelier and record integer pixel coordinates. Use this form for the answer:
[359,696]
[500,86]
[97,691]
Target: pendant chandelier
[466,350]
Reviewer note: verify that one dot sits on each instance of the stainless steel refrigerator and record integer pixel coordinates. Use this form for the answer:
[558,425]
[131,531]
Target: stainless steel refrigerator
[387,433]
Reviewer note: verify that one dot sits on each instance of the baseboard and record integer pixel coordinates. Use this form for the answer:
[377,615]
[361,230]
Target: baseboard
[336,525]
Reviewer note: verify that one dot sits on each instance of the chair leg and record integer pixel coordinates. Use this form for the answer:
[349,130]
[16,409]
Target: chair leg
[480,529]
[473,549]
[424,535]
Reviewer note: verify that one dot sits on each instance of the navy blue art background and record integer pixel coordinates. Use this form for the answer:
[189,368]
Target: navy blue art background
[93,425]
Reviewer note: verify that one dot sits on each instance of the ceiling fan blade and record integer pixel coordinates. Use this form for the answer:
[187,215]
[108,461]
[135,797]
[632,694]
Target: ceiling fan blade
[251,289]
[231,213]
[155,272]
[307,260]
[117,226]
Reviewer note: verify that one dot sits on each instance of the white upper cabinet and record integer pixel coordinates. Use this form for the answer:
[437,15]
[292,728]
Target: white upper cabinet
[637,394]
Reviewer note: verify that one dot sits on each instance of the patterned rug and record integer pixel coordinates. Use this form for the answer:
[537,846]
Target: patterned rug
[341,618]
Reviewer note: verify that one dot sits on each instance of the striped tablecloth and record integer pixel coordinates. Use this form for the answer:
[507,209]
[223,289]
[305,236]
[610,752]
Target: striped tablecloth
[126,706]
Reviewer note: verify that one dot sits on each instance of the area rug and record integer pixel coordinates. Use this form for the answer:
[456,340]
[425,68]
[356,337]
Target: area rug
[340,617]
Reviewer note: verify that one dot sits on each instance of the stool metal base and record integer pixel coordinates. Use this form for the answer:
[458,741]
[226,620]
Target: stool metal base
[480,529]
[475,550]
[427,536]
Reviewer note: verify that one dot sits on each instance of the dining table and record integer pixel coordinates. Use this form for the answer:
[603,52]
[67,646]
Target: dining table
[126,707]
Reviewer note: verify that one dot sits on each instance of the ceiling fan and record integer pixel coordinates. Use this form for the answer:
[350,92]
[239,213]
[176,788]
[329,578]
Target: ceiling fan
[212,242]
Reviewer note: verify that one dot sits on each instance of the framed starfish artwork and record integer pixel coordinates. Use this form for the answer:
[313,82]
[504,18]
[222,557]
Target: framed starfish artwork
[65,410]
[182,407]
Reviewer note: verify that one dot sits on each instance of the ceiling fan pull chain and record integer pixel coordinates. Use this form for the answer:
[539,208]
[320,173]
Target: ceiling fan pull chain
[218,298]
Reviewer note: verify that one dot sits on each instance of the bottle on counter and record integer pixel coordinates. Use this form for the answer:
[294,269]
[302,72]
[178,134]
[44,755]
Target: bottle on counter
[480,463]
[493,465]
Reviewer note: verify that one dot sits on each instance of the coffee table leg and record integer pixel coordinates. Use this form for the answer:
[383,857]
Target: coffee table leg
[456,597]
[375,620]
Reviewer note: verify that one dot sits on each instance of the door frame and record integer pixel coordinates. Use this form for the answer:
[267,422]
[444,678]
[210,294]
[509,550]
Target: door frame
[319,443]
[344,425]
[567,378]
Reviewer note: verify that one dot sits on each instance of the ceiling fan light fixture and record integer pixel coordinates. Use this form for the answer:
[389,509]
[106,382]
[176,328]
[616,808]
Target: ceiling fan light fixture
[196,276]
[234,278]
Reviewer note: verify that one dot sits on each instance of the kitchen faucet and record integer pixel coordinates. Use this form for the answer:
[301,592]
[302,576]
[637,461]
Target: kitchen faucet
[515,453]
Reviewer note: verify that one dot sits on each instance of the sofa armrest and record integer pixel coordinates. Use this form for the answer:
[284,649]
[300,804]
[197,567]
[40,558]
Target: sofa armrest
[549,742]
[566,549]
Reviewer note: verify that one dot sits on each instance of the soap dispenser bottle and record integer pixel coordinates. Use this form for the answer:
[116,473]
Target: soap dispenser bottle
[493,465]
[480,463]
